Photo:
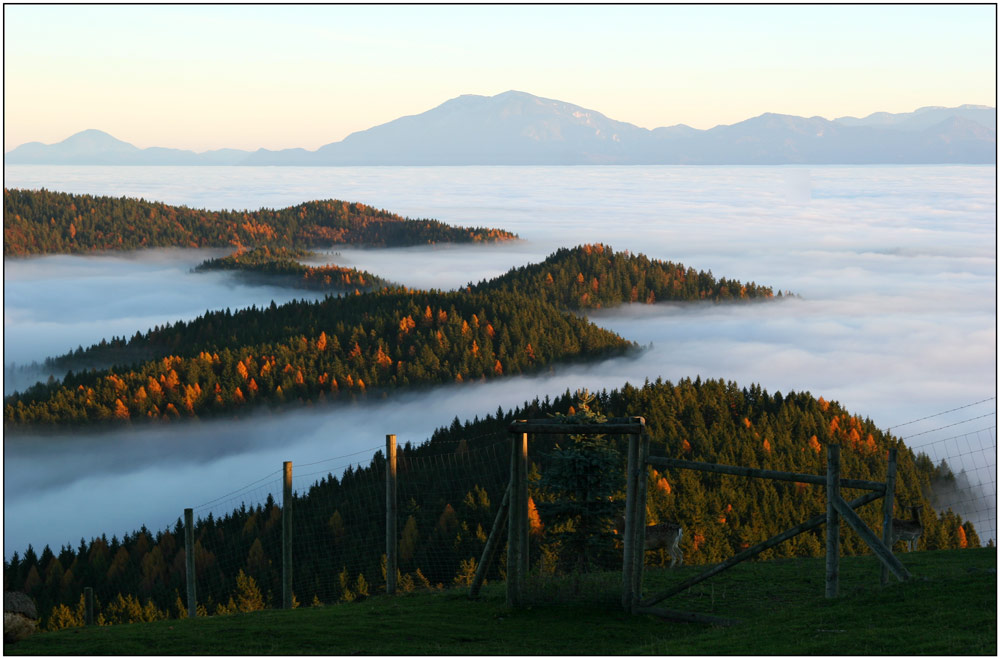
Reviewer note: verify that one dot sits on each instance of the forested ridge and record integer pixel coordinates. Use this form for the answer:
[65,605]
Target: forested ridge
[595,276]
[282,264]
[46,222]
[443,526]
[307,351]
[225,362]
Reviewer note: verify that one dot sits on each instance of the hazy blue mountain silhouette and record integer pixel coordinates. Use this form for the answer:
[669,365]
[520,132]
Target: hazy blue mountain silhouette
[924,118]
[95,147]
[516,128]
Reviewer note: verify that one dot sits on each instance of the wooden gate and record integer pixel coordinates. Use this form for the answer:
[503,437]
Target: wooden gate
[837,508]
[513,513]
[514,507]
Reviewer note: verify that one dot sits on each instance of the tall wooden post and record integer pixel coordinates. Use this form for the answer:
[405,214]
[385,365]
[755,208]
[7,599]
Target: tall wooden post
[887,505]
[639,538]
[628,560]
[286,539]
[832,521]
[390,514]
[192,597]
[88,598]
[514,525]
[522,463]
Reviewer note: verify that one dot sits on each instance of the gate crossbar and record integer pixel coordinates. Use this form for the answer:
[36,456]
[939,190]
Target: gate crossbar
[763,473]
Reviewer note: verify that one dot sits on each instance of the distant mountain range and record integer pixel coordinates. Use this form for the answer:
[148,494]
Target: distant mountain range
[515,128]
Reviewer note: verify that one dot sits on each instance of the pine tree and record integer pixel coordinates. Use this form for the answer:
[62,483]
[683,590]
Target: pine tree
[581,480]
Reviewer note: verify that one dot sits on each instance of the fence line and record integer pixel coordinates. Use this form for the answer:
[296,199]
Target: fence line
[950,425]
[954,409]
[234,493]
[338,525]
[339,520]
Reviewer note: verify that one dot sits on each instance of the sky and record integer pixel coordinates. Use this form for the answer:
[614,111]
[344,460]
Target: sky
[247,76]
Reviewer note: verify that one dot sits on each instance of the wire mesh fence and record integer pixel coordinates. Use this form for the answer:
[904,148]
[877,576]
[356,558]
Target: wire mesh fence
[967,461]
[969,484]
[447,495]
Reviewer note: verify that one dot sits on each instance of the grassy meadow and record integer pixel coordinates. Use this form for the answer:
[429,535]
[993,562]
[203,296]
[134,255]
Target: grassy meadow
[948,608]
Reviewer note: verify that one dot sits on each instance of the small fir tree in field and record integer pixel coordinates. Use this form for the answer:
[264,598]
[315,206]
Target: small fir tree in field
[581,479]
[248,595]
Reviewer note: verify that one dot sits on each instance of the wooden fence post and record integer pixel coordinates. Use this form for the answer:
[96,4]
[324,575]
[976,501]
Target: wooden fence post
[523,503]
[628,540]
[514,524]
[832,521]
[88,598]
[390,515]
[192,597]
[638,534]
[286,539]
[887,505]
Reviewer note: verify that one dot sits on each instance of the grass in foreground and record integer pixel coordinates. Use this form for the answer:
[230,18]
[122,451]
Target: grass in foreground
[948,608]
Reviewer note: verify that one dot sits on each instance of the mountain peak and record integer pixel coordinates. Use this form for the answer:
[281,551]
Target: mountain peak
[95,138]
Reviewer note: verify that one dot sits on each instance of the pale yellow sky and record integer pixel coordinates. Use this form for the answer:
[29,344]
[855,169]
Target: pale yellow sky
[244,76]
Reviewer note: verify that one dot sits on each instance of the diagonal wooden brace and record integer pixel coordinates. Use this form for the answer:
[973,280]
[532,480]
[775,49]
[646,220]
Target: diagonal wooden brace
[492,543]
[872,540]
[811,523]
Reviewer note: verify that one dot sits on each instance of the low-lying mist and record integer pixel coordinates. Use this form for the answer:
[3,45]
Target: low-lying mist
[53,304]
[113,482]
[895,269]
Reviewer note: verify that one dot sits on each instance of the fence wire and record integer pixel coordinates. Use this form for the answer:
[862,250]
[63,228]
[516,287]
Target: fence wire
[971,488]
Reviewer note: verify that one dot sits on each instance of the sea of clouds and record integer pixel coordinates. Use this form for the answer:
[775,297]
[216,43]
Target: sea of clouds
[894,271]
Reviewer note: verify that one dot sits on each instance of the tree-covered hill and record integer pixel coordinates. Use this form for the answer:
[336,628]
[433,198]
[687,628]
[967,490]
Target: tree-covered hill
[444,517]
[515,323]
[595,276]
[306,351]
[281,266]
[45,222]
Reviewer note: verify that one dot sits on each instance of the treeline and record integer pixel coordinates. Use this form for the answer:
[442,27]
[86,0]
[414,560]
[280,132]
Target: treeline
[282,264]
[444,520]
[302,352]
[595,276]
[46,222]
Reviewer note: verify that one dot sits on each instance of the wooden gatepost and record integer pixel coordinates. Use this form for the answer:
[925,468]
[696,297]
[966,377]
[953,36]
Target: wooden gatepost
[837,509]
[514,507]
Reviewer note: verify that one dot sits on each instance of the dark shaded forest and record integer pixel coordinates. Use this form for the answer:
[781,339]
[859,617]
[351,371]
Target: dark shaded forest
[45,222]
[444,517]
